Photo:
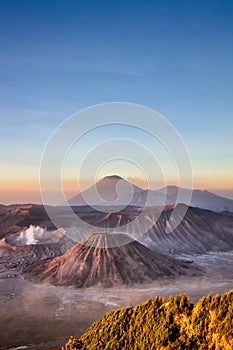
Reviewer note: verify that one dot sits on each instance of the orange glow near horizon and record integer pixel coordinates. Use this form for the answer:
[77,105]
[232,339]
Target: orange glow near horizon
[24,191]
[28,190]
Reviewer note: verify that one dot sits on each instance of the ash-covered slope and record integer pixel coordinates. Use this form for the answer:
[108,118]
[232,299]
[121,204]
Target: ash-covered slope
[199,231]
[92,263]
[14,254]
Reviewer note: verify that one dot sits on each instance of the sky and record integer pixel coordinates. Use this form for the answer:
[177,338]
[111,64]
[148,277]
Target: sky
[58,57]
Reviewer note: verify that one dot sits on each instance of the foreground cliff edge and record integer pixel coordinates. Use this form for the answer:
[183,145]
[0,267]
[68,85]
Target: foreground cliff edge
[161,323]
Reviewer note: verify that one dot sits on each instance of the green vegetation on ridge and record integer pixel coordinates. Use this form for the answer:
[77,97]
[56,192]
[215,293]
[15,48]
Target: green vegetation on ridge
[163,324]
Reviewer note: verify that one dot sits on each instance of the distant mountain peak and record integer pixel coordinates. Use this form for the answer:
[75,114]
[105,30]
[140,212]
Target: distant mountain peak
[172,188]
[115,190]
[112,177]
[106,192]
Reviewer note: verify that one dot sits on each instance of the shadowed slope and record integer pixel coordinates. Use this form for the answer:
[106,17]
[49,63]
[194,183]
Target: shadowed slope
[14,219]
[92,262]
[199,231]
[14,255]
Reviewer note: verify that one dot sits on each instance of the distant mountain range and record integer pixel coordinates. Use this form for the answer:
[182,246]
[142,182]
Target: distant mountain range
[114,190]
[29,243]
[200,231]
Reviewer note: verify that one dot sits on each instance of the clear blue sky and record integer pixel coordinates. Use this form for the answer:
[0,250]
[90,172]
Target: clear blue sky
[57,57]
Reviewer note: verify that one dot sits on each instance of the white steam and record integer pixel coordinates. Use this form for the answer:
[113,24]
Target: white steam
[31,235]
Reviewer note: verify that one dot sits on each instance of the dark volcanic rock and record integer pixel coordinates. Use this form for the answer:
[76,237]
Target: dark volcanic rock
[199,231]
[14,219]
[91,262]
[21,256]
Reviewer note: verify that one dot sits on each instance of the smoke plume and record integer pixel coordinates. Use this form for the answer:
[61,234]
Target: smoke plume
[31,235]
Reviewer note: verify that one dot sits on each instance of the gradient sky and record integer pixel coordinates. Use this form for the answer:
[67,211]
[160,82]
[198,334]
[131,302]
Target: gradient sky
[57,57]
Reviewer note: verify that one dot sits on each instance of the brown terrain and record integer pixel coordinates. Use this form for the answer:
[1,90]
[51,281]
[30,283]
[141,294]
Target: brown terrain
[91,262]
[16,256]
[44,315]
[13,219]
[199,231]
[196,258]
